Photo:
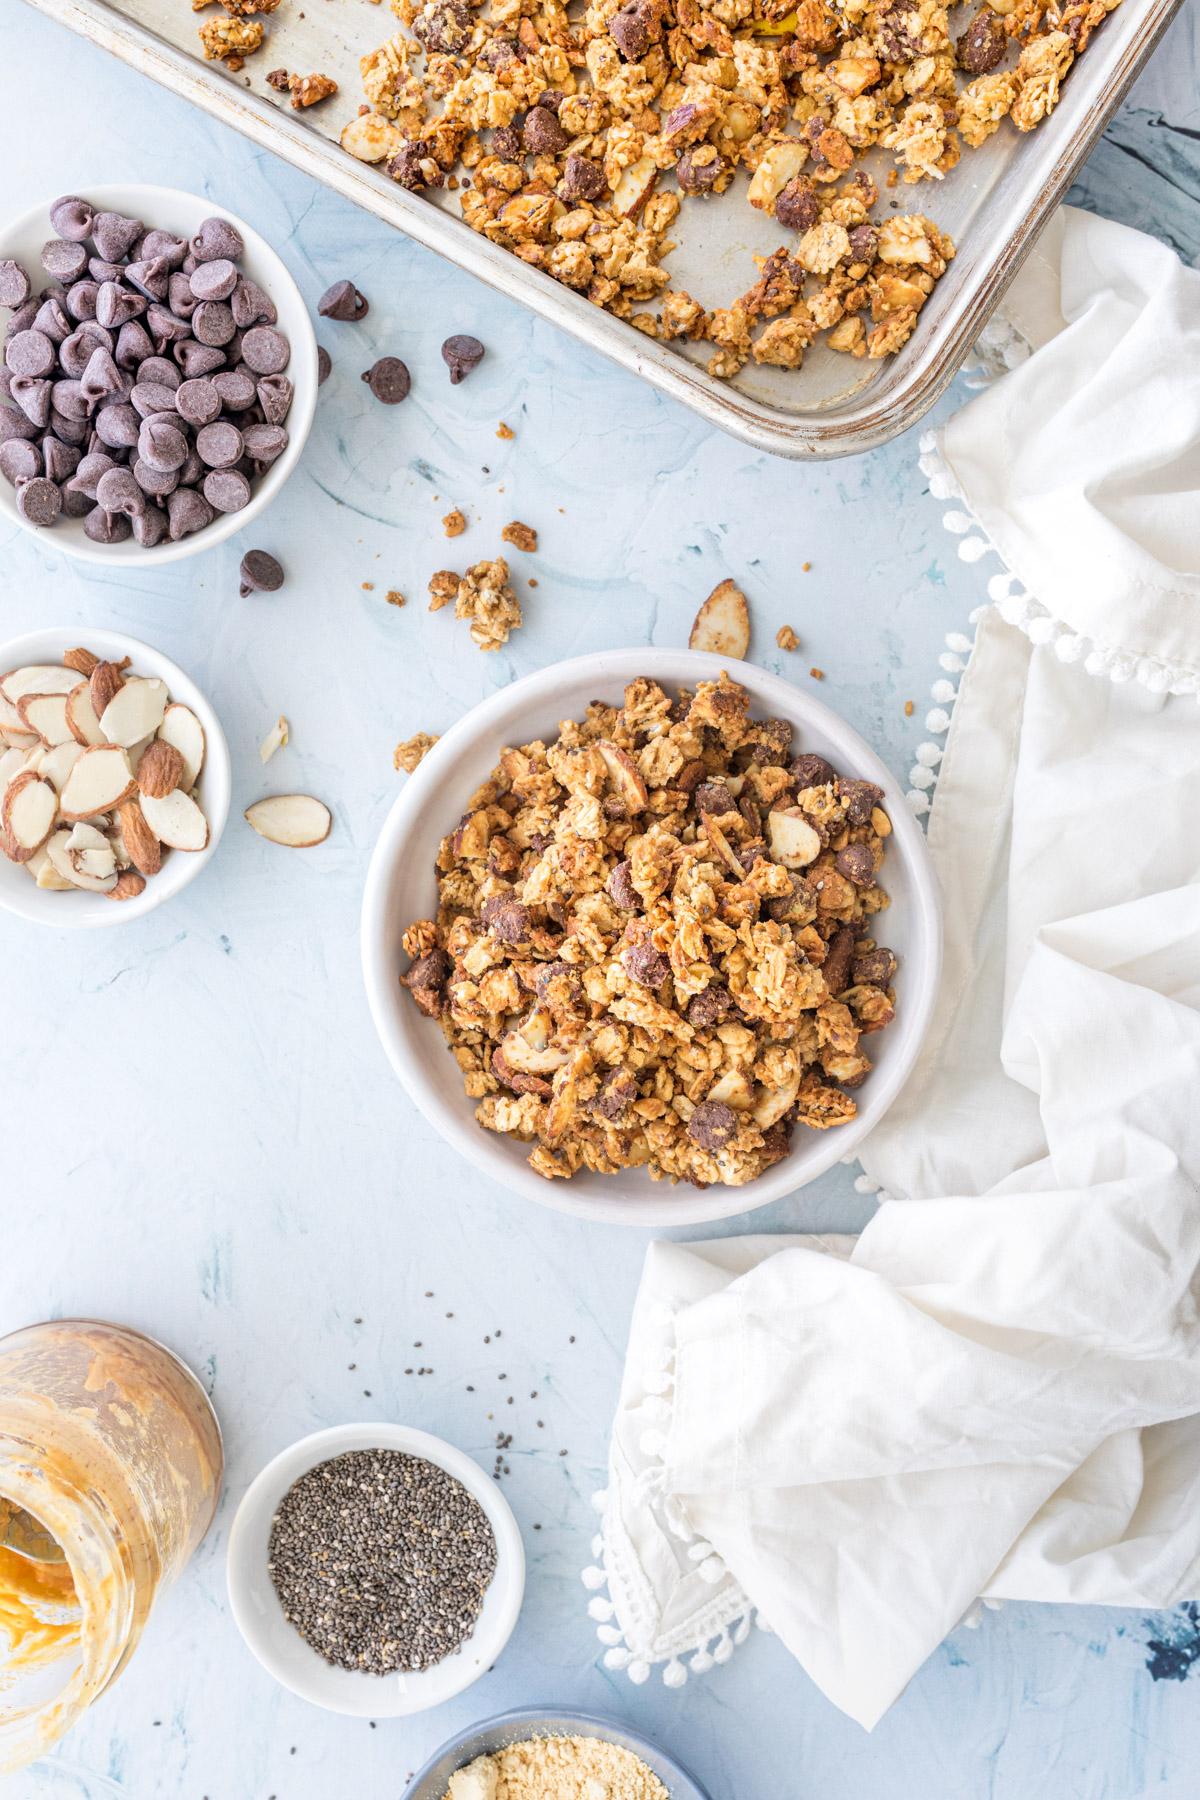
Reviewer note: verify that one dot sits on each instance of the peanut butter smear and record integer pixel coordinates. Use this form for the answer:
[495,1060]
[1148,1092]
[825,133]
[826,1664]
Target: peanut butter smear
[40,1615]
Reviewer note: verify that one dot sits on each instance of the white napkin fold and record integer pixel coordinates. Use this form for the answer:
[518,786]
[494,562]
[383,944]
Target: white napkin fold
[995,1389]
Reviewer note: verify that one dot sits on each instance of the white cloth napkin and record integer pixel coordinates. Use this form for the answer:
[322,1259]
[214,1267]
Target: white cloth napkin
[995,1389]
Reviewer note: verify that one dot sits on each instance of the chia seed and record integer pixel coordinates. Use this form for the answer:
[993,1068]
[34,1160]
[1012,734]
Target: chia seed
[381,1561]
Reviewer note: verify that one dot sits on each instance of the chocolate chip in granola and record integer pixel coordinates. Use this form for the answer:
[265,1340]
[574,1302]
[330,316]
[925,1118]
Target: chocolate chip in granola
[508,144]
[864,241]
[797,206]
[414,167]
[709,1006]
[712,1125]
[445,29]
[557,986]
[582,179]
[261,573]
[506,918]
[859,798]
[838,958]
[773,742]
[898,33]
[278,79]
[646,964]
[874,968]
[635,28]
[857,864]
[618,1090]
[621,890]
[699,169]
[982,45]
[389,380]
[426,981]
[811,770]
[799,907]
[343,302]
[715,798]
[542,134]
[461,354]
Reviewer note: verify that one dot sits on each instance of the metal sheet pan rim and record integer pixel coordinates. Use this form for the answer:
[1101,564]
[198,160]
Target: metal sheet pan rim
[815,435]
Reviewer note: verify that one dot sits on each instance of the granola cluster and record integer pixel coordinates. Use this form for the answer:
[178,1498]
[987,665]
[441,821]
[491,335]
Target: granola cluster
[580,137]
[483,595]
[655,940]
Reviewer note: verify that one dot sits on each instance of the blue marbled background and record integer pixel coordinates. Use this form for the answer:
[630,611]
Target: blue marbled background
[197,1108]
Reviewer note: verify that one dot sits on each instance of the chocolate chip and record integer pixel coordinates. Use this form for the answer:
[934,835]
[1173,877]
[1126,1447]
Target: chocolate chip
[414,167]
[582,179]
[187,511]
[635,28]
[798,907]
[226,490]
[212,324]
[161,442]
[461,354]
[715,798]
[797,206]
[150,276]
[699,169]
[235,387]
[709,1006]
[506,918]
[278,79]
[618,1090]
[218,445]
[216,240]
[81,299]
[874,968]
[114,234]
[117,426]
[857,864]
[712,1125]
[30,353]
[117,491]
[542,134]
[106,528]
[72,218]
[864,241]
[39,501]
[982,45]
[133,344]
[343,302]
[250,305]
[389,380]
[260,573]
[646,964]
[508,144]
[32,394]
[811,770]
[14,424]
[444,29]
[198,401]
[63,260]
[621,890]
[149,527]
[20,460]
[838,958]
[324,365]
[859,798]
[426,981]
[156,482]
[198,359]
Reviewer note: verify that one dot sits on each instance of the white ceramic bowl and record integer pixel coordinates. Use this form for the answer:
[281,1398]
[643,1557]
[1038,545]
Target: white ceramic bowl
[401,887]
[79,911]
[280,1648]
[168,209]
[490,1735]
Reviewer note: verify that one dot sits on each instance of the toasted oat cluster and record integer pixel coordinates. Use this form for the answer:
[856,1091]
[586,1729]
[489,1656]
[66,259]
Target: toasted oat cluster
[655,940]
[580,137]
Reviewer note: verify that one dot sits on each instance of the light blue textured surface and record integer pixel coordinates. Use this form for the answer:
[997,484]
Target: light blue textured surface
[213,1144]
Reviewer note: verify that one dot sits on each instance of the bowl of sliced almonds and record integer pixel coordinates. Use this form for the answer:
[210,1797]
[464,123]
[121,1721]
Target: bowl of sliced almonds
[114,778]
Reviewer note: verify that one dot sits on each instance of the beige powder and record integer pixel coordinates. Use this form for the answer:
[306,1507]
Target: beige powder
[557,1768]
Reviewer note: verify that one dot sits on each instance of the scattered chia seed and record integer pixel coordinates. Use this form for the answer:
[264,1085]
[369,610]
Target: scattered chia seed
[381,1561]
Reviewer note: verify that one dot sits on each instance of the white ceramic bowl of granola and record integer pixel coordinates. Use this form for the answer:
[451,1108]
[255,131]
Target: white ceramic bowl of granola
[78,911]
[169,209]
[279,1647]
[401,886]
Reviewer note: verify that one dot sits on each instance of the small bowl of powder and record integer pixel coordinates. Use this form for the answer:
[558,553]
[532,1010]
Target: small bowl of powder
[544,1754]
[375,1570]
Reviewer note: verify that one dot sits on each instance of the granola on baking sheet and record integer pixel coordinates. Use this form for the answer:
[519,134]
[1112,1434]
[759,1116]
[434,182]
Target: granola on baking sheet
[655,940]
[579,138]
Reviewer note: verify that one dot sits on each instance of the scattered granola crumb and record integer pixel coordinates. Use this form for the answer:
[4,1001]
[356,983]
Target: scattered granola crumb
[396,598]
[806,567]
[230,41]
[505,431]
[524,537]
[412,751]
[368,587]
[454,523]
[817,674]
[908,709]
[533,581]
[279,78]
[307,90]
[443,586]
[786,638]
[483,596]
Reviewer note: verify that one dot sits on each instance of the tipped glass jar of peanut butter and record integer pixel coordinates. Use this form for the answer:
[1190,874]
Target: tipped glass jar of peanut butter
[109,1451]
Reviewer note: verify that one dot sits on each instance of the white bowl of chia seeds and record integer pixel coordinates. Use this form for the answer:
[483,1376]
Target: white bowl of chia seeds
[375,1570]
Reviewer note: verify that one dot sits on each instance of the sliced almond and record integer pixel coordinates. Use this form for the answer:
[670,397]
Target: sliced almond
[159,769]
[37,678]
[135,711]
[44,872]
[10,718]
[781,162]
[89,853]
[181,727]
[136,840]
[106,681]
[66,853]
[275,739]
[733,1089]
[27,814]
[625,776]
[17,740]
[100,780]
[81,715]
[81,660]
[770,1103]
[128,886]
[793,841]
[634,187]
[723,623]
[47,715]
[56,764]
[296,820]
[528,1049]
[175,819]
[11,763]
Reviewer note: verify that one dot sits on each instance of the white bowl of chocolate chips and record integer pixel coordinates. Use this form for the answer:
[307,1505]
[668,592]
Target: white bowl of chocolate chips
[159,374]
